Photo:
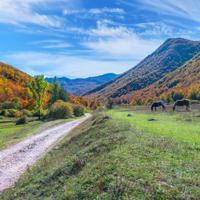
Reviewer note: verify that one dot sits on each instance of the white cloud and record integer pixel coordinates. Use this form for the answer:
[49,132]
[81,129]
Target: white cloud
[104,30]
[189,9]
[155,29]
[22,11]
[106,10]
[51,64]
[119,41]
[51,44]
[94,11]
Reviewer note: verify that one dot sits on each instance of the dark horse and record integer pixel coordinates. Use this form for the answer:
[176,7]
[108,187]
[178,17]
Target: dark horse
[183,102]
[158,104]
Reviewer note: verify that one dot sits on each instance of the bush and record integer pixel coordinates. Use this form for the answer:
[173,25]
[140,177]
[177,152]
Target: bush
[110,104]
[5,113]
[11,113]
[15,104]
[27,113]
[194,95]
[60,110]
[22,120]
[78,111]
[41,114]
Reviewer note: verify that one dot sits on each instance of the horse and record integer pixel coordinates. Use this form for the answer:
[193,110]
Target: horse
[158,104]
[183,102]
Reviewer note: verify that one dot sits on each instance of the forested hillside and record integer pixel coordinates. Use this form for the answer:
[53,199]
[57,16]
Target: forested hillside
[167,58]
[183,82]
[13,85]
[80,86]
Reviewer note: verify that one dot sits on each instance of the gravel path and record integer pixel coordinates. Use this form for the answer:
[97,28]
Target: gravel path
[15,160]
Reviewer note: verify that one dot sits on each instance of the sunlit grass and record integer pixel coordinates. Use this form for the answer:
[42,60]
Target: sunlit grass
[113,156]
[183,126]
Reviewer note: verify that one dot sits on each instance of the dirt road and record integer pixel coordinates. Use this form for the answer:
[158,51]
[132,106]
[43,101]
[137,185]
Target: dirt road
[15,160]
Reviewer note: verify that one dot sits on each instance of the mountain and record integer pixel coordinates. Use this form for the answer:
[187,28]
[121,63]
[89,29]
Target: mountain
[81,86]
[13,84]
[168,57]
[184,80]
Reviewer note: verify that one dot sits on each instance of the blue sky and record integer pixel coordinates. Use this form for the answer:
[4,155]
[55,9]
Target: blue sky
[81,38]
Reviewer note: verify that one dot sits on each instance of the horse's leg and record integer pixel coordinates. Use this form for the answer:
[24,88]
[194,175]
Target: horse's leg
[188,108]
[164,109]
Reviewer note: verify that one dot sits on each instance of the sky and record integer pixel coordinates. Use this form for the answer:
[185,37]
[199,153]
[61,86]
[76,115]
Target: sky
[82,38]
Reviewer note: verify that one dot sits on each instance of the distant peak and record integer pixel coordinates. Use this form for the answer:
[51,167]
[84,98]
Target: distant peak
[178,40]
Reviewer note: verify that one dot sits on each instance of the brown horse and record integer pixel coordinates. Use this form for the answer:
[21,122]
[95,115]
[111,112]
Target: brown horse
[157,104]
[183,102]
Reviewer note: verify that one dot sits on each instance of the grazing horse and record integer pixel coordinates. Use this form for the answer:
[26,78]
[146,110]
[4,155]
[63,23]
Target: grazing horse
[158,104]
[183,102]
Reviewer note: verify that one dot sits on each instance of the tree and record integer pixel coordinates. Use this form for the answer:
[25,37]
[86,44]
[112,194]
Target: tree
[109,104]
[58,93]
[177,96]
[38,87]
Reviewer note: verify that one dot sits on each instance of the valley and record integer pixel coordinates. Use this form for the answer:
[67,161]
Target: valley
[81,86]
[99,100]
[113,156]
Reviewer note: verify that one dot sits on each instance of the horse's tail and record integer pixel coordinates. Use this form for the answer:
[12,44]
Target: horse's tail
[152,107]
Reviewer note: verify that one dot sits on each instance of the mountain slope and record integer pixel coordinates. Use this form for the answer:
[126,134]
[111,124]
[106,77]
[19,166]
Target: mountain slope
[168,57]
[13,84]
[83,85]
[185,80]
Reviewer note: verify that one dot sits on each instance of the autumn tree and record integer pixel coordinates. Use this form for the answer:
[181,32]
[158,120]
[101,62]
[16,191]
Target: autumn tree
[38,87]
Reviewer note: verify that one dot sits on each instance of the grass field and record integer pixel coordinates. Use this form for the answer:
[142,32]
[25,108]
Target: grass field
[11,134]
[112,156]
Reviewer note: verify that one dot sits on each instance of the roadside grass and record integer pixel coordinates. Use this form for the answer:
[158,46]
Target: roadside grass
[118,157]
[12,134]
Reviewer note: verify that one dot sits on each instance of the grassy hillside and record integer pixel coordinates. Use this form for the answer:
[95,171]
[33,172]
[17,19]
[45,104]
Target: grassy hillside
[81,86]
[113,156]
[168,57]
[185,80]
[13,84]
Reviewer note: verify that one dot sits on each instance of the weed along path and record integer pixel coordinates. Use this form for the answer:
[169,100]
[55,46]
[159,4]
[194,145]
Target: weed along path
[15,160]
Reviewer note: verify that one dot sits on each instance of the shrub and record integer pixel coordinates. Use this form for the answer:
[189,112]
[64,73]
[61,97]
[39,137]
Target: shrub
[27,113]
[8,105]
[5,113]
[40,114]
[78,111]
[194,95]
[60,110]
[110,104]
[11,113]
[18,114]
[22,120]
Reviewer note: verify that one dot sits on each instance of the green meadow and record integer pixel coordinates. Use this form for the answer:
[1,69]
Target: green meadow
[10,133]
[113,156]
[182,126]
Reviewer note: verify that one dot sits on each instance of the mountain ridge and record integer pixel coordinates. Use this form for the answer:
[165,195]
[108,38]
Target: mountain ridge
[80,86]
[184,80]
[172,54]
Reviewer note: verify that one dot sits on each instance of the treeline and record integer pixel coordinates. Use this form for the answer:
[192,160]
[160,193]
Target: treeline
[45,101]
